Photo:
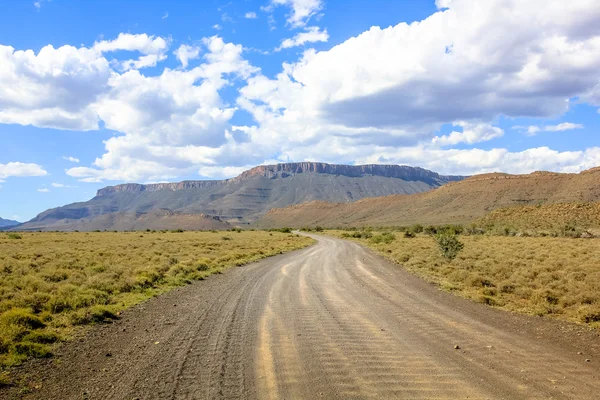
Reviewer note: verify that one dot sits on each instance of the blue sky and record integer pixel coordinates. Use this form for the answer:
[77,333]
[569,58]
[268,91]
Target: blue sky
[99,93]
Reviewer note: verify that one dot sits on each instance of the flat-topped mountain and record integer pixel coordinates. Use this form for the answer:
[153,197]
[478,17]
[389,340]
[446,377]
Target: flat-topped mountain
[457,202]
[245,198]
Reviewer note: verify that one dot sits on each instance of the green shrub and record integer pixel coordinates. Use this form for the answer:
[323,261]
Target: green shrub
[410,235]
[416,228]
[386,238]
[32,350]
[14,236]
[319,228]
[41,337]
[448,244]
[22,317]
[430,230]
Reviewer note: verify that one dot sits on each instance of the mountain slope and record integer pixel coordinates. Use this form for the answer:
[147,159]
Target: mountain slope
[457,202]
[545,217]
[244,198]
[5,223]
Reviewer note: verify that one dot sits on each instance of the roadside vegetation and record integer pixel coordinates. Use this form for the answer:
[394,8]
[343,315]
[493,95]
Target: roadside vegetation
[550,273]
[51,283]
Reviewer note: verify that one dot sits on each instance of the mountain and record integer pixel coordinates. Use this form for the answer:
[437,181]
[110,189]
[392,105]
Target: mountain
[457,202]
[242,199]
[5,223]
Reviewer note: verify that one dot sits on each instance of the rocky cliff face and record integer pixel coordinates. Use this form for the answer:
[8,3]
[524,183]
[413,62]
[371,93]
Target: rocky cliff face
[289,169]
[136,187]
[388,171]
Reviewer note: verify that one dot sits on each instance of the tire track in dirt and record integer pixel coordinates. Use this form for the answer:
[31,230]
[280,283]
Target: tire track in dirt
[332,321]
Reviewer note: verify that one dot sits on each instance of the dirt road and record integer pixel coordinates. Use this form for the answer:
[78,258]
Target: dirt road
[332,321]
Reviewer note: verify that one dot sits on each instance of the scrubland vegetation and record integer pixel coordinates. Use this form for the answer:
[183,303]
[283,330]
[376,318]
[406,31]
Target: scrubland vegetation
[554,274]
[53,282]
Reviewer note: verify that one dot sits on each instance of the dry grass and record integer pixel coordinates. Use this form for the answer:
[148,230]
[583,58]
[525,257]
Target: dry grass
[556,277]
[53,282]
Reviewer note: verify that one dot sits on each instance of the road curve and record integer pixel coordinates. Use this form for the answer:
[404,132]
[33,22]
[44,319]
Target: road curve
[332,321]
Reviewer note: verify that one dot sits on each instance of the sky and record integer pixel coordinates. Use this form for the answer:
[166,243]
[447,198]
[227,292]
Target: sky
[100,93]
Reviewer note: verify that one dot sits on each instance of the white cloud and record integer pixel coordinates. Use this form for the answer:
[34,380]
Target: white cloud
[311,35]
[217,27]
[61,185]
[165,16]
[184,53]
[53,89]
[71,159]
[471,133]
[250,15]
[153,49]
[174,122]
[535,129]
[302,10]
[18,169]
[43,190]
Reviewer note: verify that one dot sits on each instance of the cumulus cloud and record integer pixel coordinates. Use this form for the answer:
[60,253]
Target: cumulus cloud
[184,53]
[43,190]
[51,89]
[388,90]
[19,169]
[173,122]
[153,49]
[71,159]
[250,15]
[301,10]
[311,35]
[470,134]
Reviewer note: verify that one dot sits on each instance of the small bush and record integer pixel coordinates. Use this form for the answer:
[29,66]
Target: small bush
[41,337]
[449,245]
[410,235]
[386,238]
[430,230]
[22,317]
[32,350]
[202,267]
[319,228]
[416,228]
[14,236]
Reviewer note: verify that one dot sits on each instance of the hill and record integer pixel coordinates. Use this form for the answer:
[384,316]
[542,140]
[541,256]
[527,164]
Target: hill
[457,202]
[5,223]
[545,217]
[125,221]
[242,199]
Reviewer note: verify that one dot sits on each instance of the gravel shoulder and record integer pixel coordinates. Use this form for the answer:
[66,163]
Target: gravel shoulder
[330,321]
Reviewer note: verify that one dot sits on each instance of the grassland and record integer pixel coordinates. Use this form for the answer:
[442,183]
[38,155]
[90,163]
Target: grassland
[50,283]
[545,276]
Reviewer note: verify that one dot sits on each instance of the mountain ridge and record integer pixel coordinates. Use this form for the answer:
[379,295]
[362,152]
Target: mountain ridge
[242,199]
[286,169]
[5,223]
